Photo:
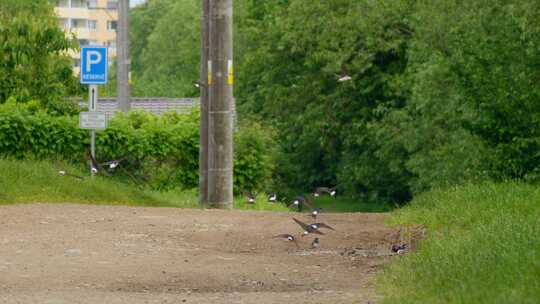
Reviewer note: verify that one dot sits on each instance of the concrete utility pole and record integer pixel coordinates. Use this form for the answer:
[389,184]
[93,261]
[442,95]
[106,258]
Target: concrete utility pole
[220,83]
[122,55]
[203,85]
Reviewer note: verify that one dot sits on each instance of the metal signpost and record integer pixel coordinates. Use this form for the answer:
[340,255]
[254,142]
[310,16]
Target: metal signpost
[94,67]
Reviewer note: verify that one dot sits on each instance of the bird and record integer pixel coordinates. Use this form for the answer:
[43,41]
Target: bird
[198,84]
[315,243]
[288,237]
[344,78]
[64,173]
[94,164]
[112,164]
[399,249]
[315,212]
[307,228]
[321,190]
[251,198]
[321,225]
[272,197]
[299,202]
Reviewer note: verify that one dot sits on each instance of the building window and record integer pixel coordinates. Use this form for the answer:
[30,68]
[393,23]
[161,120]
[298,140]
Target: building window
[111,25]
[64,23]
[79,23]
[112,5]
[78,4]
[84,42]
[92,25]
[62,3]
[92,3]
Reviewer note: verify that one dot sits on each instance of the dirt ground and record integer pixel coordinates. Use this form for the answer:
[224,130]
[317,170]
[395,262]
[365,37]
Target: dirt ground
[62,253]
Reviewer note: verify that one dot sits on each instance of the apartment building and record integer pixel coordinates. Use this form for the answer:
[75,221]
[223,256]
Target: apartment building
[92,21]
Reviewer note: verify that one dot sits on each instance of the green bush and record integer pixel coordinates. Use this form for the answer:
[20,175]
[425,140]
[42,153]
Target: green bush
[255,153]
[161,152]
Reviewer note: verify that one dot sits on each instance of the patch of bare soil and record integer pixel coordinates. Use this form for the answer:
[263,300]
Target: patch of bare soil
[52,253]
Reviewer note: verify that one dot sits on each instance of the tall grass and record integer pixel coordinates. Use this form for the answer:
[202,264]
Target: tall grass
[482,246]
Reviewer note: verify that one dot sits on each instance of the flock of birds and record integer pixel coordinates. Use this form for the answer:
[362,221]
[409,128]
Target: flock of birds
[298,203]
[95,167]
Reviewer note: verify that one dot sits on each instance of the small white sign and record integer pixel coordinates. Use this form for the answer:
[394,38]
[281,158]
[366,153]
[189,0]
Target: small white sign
[92,120]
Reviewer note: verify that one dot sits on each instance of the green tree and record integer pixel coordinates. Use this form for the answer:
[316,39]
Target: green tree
[290,77]
[165,37]
[475,104]
[33,60]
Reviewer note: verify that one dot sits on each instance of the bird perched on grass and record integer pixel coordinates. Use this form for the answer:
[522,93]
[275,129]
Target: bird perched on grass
[287,237]
[251,198]
[307,228]
[272,197]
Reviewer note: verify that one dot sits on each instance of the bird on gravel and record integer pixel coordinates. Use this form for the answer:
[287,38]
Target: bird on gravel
[315,212]
[251,198]
[272,197]
[399,249]
[288,237]
[307,228]
[315,243]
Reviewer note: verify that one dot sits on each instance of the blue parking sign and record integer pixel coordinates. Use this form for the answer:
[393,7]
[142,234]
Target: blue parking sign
[94,65]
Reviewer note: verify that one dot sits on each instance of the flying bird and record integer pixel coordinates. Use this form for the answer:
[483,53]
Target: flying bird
[321,225]
[307,228]
[299,202]
[322,190]
[288,237]
[94,164]
[112,164]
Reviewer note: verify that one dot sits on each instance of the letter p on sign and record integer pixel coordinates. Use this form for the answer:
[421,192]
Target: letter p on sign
[92,57]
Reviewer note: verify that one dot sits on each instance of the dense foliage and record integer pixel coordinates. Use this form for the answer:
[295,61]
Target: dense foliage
[161,152]
[439,93]
[383,98]
[33,55]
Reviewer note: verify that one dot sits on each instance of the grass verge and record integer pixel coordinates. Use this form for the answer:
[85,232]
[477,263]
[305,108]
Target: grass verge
[32,181]
[482,246]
